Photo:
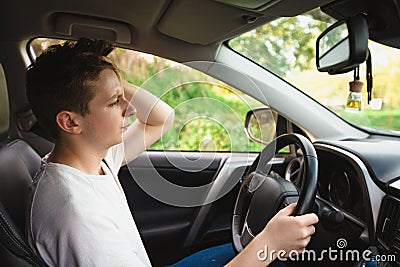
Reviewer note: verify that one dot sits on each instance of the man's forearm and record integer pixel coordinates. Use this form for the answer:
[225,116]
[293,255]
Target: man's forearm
[149,108]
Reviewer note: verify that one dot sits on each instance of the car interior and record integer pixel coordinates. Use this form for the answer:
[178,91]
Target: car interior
[348,174]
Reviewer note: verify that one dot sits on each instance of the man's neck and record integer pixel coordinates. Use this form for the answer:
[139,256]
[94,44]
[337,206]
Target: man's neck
[84,159]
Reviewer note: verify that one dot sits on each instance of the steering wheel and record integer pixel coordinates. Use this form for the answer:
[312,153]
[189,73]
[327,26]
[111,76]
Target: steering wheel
[261,195]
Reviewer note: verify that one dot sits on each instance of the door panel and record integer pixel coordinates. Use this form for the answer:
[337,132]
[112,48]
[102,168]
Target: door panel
[173,232]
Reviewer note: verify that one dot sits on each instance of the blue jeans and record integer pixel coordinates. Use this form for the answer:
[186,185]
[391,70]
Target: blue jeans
[213,257]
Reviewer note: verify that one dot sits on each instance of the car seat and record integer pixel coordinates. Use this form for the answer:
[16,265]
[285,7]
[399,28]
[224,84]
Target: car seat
[18,164]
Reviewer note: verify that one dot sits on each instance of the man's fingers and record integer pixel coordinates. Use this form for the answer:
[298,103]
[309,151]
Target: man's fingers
[310,230]
[288,210]
[309,219]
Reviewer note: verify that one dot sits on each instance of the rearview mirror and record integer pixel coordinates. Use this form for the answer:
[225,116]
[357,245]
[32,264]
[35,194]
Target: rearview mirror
[343,46]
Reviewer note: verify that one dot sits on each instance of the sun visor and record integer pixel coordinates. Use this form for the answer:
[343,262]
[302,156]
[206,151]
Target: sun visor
[200,22]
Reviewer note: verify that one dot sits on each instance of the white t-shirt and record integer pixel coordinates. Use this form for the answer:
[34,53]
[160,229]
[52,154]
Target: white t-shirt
[77,219]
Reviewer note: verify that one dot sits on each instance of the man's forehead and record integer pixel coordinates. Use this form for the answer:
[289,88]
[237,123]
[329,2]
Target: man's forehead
[107,85]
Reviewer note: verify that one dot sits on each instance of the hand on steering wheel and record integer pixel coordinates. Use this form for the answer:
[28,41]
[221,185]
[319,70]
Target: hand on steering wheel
[261,196]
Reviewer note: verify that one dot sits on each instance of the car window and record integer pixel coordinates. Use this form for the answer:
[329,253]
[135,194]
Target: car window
[286,47]
[209,114]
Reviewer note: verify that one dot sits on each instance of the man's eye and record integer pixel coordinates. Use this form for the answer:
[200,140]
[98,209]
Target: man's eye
[114,103]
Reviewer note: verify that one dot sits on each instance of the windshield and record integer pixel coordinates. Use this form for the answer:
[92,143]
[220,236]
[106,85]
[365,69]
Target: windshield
[286,47]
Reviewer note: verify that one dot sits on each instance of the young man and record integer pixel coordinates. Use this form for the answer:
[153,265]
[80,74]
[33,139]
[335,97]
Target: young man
[78,214]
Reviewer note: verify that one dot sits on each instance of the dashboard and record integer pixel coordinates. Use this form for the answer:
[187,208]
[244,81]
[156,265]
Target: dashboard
[360,179]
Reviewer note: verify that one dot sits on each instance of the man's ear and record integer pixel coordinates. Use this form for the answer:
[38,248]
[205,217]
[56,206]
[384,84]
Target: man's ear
[68,122]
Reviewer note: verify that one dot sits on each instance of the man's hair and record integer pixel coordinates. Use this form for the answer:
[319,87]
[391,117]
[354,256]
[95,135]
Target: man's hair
[59,79]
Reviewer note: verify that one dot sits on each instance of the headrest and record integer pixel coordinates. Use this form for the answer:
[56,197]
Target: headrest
[4,106]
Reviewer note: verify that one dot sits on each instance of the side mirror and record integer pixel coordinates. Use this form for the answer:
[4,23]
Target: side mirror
[260,125]
[343,46]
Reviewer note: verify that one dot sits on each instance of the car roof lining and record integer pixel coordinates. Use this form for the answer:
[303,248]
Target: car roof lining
[195,26]
[183,22]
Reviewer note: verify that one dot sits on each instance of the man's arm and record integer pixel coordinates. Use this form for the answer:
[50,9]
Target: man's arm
[154,118]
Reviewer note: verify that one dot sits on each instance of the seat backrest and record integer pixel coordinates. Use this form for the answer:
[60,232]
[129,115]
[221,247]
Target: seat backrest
[18,164]
[14,251]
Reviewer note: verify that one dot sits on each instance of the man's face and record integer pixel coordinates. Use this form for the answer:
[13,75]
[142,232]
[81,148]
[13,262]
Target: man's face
[106,121]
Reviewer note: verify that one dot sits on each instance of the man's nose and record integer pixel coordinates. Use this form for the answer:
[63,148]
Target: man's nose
[130,110]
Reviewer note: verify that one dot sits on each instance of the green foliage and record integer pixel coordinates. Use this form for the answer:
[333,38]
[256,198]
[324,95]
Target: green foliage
[387,119]
[282,45]
[206,120]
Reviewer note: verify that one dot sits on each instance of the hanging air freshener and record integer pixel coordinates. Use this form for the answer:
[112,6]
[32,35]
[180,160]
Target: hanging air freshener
[354,99]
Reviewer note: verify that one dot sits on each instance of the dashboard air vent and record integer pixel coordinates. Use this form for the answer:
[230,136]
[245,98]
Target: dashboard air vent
[388,223]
